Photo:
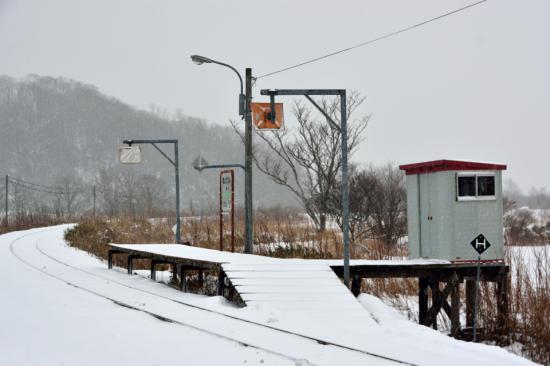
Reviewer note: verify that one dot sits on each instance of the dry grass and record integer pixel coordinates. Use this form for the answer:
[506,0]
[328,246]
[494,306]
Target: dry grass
[93,234]
[286,234]
[29,221]
[529,323]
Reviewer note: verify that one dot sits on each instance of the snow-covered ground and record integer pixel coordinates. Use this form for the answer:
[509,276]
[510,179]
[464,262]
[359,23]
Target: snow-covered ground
[61,306]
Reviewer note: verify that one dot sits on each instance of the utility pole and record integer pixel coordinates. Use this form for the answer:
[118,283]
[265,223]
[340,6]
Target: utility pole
[248,244]
[345,183]
[94,197]
[6,201]
[177,171]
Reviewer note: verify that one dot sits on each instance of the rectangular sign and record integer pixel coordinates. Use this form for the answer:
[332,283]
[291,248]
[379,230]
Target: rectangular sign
[129,154]
[261,116]
[226,191]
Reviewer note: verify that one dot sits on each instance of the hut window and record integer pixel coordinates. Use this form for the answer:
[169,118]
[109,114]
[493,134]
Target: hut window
[475,186]
[486,185]
[467,186]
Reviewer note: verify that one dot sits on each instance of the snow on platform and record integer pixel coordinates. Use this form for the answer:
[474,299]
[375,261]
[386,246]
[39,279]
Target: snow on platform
[306,288]
[219,257]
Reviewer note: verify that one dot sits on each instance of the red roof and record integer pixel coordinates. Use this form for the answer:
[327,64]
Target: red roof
[445,165]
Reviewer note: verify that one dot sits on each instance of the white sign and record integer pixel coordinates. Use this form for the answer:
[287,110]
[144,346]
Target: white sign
[226,191]
[129,154]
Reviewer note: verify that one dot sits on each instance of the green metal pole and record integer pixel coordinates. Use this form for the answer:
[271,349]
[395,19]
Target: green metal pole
[248,244]
[345,186]
[177,167]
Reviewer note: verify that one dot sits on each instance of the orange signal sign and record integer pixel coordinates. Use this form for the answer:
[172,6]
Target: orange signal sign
[261,116]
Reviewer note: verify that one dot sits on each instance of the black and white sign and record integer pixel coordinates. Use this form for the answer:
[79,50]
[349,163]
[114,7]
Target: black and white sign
[129,154]
[480,244]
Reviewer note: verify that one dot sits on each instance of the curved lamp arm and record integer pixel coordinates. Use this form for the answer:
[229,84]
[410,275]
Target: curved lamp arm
[199,60]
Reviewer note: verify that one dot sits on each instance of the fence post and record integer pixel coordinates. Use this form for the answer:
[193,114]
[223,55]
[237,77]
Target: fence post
[6,208]
[94,198]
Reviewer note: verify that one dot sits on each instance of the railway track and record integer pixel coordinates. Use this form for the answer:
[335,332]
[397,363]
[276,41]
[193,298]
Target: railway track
[368,355]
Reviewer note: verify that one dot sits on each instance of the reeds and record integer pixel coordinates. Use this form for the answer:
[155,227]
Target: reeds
[285,234]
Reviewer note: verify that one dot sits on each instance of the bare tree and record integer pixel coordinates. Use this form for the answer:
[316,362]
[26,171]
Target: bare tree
[69,199]
[109,190]
[363,190]
[152,194]
[389,219]
[377,204]
[308,162]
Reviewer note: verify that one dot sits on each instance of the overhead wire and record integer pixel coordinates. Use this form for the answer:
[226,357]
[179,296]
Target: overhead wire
[44,188]
[365,43]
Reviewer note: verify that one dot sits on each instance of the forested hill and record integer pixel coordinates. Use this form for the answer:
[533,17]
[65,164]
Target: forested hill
[55,128]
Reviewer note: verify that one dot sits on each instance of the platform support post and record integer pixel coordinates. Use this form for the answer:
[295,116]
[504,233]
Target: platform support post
[130,263]
[423,300]
[221,282]
[470,296]
[153,269]
[356,285]
[110,259]
[201,277]
[434,286]
[455,310]
[183,277]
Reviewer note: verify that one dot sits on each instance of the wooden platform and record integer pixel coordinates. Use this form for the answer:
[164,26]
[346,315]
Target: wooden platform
[314,288]
[299,286]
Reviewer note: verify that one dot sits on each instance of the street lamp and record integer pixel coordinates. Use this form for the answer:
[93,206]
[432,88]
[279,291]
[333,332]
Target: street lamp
[174,162]
[244,111]
[199,60]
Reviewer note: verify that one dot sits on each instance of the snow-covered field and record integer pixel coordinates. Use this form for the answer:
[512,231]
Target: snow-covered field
[61,306]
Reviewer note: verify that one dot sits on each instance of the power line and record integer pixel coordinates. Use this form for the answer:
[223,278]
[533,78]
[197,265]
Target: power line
[43,188]
[388,35]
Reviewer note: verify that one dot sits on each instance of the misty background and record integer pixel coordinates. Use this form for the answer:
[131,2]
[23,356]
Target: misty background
[474,85]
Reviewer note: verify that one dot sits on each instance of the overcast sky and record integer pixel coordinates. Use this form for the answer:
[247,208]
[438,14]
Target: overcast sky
[475,85]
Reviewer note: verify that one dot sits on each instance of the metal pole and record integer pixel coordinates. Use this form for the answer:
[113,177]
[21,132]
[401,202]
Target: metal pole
[476,298]
[221,214]
[6,201]
[345,186]
[232,211]
[177,167]
[248,244]
[94,198]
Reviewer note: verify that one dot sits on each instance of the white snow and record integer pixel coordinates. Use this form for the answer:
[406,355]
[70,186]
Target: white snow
[47,322]
[214,256]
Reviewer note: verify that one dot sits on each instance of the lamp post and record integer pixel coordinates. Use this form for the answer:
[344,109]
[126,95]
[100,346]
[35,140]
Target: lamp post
[175,163]
[244,111]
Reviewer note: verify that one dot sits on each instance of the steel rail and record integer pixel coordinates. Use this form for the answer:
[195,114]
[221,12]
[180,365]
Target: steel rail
[318,340]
